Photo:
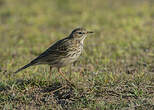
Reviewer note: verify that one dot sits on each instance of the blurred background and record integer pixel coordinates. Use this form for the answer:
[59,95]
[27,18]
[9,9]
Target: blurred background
[123,30]
[115,70]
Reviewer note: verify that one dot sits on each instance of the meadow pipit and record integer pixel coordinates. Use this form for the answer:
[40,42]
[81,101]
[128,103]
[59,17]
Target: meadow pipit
[63,52]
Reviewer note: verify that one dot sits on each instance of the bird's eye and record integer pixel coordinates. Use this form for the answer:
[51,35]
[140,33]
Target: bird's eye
[80,33]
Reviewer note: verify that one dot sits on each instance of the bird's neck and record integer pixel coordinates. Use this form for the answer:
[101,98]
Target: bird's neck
[79,42]
[82,40]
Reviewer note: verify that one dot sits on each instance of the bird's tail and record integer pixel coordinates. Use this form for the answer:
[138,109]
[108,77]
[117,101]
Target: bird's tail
[24,67]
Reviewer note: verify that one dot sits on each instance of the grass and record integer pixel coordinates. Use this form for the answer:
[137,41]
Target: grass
[115,70]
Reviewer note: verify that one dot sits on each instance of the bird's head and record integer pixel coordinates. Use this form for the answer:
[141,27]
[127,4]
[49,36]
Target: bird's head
[80,33]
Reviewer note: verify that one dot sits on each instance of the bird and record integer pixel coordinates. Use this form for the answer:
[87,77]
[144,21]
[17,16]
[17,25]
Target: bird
[62,52]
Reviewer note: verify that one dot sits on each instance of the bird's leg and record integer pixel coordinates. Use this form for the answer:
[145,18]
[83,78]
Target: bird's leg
[70,72]
[50,71]
[59,70]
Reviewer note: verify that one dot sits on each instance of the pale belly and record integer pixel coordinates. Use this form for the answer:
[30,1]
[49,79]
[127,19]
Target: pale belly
[67,60]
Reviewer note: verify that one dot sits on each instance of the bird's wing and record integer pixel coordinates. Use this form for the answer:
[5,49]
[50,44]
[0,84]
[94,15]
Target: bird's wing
[57,50]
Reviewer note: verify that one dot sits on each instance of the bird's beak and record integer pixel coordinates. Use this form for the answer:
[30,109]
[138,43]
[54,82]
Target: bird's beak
[89,32]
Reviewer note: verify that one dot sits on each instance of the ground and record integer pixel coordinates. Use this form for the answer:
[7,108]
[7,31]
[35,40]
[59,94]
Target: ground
[115,71]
